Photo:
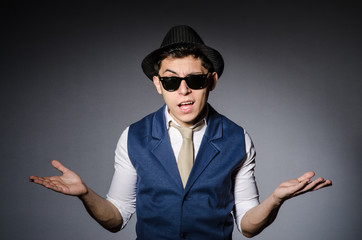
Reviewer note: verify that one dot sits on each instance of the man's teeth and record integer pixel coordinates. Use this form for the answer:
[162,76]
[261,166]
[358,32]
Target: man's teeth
[186,103]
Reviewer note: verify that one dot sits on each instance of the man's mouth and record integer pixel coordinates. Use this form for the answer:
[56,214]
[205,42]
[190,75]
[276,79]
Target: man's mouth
[186,107]
[184,104]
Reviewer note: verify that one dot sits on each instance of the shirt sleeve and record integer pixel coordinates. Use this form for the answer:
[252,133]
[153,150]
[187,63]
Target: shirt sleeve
[122,192]
[245,191]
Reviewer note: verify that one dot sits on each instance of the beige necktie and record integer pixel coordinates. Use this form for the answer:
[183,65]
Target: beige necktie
[185,158]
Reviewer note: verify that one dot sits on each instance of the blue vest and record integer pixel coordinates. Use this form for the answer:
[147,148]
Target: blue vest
[203,210]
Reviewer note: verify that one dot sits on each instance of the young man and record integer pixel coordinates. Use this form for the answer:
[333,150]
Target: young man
[183,186]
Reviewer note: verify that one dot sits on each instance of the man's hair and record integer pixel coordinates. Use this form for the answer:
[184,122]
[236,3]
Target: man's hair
[181,51]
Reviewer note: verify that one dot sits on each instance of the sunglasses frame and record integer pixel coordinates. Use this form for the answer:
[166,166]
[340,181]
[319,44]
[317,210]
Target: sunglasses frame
[190,79]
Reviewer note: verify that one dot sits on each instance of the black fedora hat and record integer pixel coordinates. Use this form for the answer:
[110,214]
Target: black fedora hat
[178,36]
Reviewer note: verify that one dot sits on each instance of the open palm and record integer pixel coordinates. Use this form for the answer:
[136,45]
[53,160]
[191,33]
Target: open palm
[68,183]
[303,184]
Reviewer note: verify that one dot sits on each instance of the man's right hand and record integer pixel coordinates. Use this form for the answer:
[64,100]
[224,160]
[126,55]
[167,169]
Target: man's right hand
[103,211]
[68,183]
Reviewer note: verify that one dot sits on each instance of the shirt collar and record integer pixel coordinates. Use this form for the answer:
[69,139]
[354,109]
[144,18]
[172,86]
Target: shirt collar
[169,118]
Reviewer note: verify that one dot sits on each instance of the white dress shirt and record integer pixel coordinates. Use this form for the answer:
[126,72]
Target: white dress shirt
[122,192]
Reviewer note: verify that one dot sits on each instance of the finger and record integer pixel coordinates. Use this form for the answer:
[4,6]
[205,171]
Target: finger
[310,186]
[316,184]
[32,178]
[297,188]
[306,175]
[326,183]
[36,179]
[41,181]
[47,182]
[59,166]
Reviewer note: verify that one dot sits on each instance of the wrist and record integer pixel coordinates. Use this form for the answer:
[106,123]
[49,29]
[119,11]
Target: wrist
[276,201]
[85,193]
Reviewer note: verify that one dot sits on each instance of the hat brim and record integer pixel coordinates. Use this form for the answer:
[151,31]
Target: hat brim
[148,63]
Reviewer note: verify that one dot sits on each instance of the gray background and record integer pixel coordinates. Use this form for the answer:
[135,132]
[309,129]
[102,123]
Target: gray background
[71,82]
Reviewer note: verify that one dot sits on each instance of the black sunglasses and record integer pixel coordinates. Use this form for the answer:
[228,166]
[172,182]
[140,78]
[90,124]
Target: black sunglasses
[193,81]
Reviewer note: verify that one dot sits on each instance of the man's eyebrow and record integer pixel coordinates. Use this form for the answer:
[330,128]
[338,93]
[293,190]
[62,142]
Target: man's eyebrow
[192,73]
[169,70]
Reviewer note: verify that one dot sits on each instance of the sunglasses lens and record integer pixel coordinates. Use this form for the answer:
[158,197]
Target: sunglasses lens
[171,83]
[196,81]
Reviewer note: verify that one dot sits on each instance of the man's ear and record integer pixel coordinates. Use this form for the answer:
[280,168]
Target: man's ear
[214,78]
[157,83]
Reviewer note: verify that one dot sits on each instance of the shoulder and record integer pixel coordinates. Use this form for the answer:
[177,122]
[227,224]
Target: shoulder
[149,125]
[234,131]
[217,118]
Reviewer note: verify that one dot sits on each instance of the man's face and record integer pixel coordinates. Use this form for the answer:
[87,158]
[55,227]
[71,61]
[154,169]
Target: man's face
[187,106]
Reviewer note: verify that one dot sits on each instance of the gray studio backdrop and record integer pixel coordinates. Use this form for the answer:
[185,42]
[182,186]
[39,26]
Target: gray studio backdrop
[71,82]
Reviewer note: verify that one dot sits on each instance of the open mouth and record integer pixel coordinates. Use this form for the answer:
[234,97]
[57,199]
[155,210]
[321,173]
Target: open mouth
[185,104]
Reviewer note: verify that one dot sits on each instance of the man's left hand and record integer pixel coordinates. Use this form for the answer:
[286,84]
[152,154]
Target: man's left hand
[303,184]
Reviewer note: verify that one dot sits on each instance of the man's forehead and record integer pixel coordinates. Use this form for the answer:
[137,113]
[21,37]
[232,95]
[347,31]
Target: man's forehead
[175,65]
[189,59]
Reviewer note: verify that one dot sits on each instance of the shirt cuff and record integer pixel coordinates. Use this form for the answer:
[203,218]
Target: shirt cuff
[243,208]
[125,216]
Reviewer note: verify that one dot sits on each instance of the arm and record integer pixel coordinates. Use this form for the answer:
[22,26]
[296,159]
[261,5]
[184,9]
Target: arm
[103,211]
[261,216]
[69,183]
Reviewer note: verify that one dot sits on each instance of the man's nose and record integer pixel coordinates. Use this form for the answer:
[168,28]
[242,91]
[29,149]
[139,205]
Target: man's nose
[184,89]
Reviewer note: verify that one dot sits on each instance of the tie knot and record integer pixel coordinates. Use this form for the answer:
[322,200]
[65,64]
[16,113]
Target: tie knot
[187,132]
